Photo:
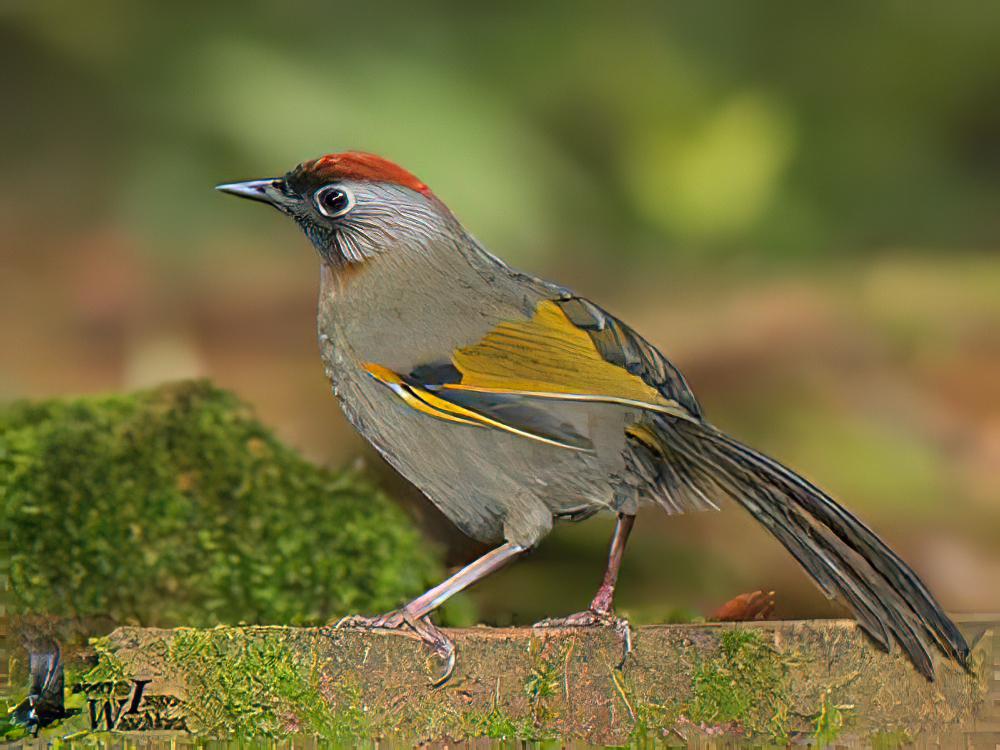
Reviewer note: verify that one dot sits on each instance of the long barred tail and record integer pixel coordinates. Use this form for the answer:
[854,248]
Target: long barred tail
[842,555]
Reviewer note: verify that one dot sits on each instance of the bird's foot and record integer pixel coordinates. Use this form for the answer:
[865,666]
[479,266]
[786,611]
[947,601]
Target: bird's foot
[393,620]
[592,618]
[441,645]
[589,618]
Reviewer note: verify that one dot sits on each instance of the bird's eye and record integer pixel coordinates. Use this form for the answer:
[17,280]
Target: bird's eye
[334,200]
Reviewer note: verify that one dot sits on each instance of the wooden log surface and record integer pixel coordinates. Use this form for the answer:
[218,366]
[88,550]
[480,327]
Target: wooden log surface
[810,682]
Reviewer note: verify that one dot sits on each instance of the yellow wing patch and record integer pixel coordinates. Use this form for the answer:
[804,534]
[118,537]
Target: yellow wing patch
[549,357]
[409,395]
[424,401]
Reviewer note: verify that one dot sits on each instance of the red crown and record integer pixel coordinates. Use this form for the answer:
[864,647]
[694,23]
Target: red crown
[357,165]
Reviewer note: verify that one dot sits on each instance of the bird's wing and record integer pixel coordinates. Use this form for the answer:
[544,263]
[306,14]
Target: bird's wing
[569,350]
[500,411]
[619,345]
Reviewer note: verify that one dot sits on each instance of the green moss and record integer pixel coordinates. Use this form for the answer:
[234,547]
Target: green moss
[745,683]
[242,684]
[109,668]
[543,682]
[176,506]
[742,687]
[349,724]
[891,740]
[245,687]
[653,722]
[829,721]
[75,704]
[9,731]
[498,725]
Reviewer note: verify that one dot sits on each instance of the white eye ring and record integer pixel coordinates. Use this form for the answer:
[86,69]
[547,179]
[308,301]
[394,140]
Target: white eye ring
[333,200]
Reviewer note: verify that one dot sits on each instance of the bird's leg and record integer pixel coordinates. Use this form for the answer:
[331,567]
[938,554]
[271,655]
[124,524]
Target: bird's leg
[603,603]
[415,615]
[601,610]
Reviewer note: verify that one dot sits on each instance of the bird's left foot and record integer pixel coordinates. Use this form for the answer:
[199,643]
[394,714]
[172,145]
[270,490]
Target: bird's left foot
[592,618]
[440,644]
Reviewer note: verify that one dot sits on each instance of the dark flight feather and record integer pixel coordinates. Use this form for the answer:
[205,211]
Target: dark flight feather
[838,551]
[519,412]
[622,346]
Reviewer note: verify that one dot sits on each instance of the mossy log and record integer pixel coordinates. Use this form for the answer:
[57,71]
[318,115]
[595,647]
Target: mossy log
[812,681]
[177,505]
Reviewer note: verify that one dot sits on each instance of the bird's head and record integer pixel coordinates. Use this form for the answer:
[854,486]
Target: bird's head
[354,206]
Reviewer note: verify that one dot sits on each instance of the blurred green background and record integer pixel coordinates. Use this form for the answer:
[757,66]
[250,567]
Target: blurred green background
[797,202]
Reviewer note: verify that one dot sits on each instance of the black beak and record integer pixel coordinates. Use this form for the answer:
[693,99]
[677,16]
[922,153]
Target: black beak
[265,191]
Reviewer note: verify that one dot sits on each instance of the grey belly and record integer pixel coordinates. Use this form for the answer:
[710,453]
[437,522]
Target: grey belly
[493,485]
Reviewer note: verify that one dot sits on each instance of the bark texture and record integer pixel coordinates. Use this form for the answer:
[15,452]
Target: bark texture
[815,681]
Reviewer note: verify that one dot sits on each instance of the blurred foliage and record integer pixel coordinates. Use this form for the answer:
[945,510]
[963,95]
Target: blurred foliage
[796,202]
[175,506]
[706,127]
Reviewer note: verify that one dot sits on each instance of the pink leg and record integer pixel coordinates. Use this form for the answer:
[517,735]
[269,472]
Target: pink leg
[415,614]
[474,571]
[603,602]
[601,611]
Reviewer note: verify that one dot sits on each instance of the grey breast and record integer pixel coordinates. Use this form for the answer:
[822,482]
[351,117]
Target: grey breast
[491,484]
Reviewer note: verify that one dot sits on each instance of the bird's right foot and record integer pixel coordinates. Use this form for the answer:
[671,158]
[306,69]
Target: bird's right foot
[592,618]
[589,618]
[442,647]
[389,621]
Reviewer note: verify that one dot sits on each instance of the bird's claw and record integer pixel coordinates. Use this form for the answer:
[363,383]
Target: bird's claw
[440,644]
[388,621]
[591,618]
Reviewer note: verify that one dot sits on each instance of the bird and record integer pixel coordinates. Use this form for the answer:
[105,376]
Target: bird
[513,404]
[44,703]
